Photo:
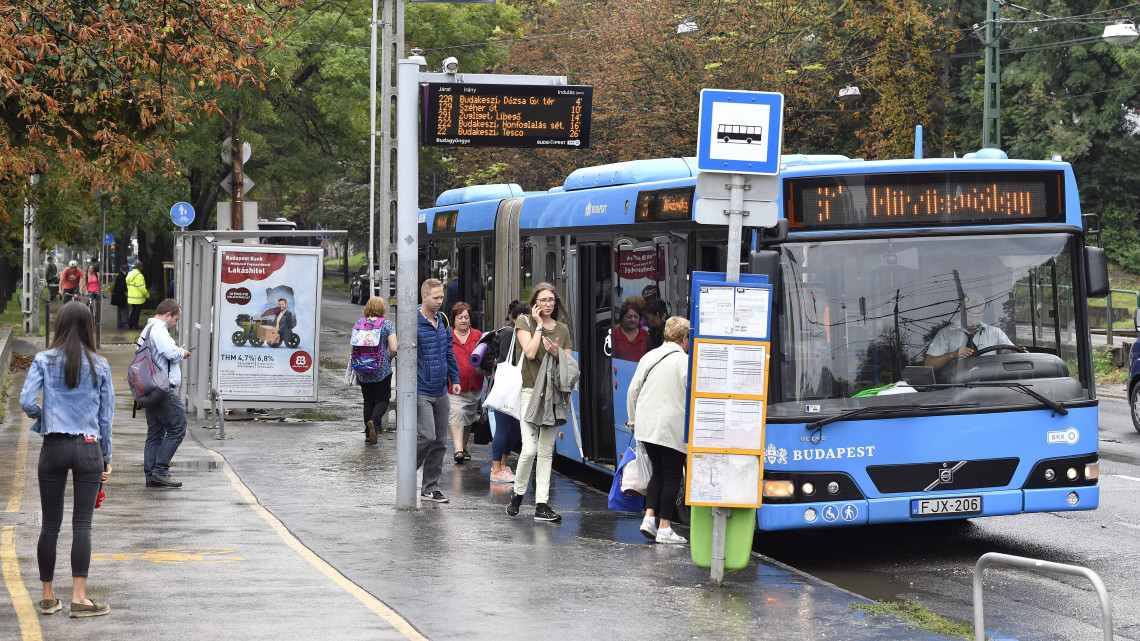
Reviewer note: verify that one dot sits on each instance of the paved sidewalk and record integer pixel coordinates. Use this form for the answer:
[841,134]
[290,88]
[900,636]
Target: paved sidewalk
[289,531]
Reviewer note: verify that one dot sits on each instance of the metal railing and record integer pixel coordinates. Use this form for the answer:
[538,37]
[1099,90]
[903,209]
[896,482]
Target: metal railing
[1036,564]
[1108,309]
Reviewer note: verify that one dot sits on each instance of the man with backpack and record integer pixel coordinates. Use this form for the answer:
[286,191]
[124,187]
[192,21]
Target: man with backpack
[165,421]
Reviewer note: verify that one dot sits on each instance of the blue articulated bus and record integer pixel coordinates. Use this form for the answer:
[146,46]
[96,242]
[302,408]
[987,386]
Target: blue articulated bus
[930,350]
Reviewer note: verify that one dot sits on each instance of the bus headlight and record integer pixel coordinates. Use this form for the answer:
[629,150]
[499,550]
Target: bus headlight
[833,487]
[1050,474]
[1071,473]
[808,488]
[1092,470]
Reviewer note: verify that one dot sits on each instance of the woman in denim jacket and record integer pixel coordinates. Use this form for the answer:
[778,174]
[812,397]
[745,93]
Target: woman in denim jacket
[75,420]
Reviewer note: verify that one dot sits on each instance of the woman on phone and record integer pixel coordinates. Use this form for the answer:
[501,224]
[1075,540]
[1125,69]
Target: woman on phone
[540,335]
[75,421]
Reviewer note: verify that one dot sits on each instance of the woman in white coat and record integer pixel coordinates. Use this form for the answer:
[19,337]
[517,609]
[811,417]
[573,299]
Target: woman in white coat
[656,407]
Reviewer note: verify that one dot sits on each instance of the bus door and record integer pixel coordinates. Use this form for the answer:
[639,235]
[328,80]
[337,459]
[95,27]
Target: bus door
[592,310]
[472,264]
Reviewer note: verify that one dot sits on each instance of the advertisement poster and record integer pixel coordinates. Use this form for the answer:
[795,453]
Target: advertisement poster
[267,324]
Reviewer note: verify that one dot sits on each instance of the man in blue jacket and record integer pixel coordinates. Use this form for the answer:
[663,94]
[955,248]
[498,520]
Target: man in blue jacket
[436,365]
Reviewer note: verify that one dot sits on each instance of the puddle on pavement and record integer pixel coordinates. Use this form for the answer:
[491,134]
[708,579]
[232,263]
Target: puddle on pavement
[195,465]
[873,585]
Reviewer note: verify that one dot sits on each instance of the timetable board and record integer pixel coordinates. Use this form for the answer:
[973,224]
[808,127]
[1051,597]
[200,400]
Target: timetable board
[728,382]
[489,115]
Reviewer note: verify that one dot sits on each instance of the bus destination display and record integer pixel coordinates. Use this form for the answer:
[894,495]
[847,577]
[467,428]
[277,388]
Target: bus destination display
[484,115]
[925,199]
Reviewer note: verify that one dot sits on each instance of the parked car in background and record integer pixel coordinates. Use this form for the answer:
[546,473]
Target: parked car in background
[359,287]
[1134,376]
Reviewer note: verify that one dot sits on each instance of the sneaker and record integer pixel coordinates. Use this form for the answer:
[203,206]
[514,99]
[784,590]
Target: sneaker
[50,606]
[370,430]
[93,610]
[542,512]
[649,528]
[503,476]
[159,480]
[434,497]
[668,536]
[516,503]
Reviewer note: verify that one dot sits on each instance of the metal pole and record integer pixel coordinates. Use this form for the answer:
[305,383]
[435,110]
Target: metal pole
[1107,317]
[372,157]
[407,219]
[991,98]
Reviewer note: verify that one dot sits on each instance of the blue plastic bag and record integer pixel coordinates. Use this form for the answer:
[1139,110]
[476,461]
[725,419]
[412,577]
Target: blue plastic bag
[619,500]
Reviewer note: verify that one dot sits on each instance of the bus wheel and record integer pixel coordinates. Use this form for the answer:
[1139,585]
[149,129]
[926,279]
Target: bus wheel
[725,139]
[749,141]
[238,338]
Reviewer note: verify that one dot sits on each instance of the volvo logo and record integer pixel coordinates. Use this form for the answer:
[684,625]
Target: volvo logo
[945,475]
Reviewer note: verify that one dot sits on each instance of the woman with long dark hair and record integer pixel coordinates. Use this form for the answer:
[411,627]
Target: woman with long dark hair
[74,419]
[538,335]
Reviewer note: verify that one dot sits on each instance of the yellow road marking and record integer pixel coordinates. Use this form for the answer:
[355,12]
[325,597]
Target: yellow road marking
[389,615]
[20,472]
[21,602]
[172,555]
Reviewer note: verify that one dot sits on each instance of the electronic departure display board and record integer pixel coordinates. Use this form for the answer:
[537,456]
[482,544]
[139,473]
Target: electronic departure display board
[485,115]
[925,199]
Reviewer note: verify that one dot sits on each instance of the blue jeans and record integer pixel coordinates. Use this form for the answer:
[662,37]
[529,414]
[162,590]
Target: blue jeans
[431,430]
[165,429]
[507,435]
[60,453]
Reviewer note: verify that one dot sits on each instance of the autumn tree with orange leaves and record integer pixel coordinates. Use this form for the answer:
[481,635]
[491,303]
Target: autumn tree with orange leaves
[97,94]
[647,77]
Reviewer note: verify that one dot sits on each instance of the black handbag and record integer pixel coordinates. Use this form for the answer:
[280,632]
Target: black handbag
[481,429]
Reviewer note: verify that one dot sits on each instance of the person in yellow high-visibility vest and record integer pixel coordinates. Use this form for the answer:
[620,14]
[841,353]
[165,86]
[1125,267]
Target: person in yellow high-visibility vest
[136,294]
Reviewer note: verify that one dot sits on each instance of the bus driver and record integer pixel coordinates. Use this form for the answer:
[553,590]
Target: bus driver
[957,341]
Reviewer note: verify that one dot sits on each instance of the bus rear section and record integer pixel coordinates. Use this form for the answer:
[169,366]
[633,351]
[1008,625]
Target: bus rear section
[930,366]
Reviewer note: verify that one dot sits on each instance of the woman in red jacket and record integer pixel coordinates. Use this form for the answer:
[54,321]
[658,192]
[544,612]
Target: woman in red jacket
[464,339]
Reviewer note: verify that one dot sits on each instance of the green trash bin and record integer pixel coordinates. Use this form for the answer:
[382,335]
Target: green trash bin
[740,527]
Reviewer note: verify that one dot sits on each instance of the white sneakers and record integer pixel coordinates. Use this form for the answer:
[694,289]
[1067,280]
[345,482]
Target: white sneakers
[649,528]
[664,535]
[668,536]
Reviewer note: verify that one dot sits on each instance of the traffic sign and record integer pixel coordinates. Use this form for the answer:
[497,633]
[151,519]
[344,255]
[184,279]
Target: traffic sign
[228,184]
[740,132]
[182,214]
[227,151]
[109,240]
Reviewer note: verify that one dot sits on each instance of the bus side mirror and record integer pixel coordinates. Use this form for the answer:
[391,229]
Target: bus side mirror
[1096,272]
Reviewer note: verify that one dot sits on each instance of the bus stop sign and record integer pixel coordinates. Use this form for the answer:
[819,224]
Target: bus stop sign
[740,132]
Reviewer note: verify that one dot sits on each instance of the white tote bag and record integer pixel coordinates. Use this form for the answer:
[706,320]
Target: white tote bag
[506,386]
[635,476]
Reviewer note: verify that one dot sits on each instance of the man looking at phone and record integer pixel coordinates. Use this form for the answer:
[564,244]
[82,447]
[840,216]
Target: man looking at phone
[165,422]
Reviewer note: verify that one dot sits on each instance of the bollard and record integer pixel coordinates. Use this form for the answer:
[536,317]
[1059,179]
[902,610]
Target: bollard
[47,323]
[1020,561]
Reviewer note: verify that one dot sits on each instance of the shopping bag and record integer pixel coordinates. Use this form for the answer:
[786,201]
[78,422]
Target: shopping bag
[349,374]
[635,479]
[506,387]
[620,500]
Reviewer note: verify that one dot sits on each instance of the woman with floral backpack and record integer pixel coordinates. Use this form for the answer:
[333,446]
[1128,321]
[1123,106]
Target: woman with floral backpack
[373,348]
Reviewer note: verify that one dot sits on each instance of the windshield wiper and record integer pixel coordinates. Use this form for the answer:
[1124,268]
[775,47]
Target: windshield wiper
[1056,406]
[885,409]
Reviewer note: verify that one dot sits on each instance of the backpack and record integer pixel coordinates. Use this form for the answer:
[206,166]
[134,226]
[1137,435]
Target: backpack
[149,383]
[368,345]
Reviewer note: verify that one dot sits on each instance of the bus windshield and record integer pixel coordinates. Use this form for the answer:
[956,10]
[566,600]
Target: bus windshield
[895,321]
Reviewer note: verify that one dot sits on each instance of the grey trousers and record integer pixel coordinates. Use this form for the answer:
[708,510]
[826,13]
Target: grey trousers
[431,430]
